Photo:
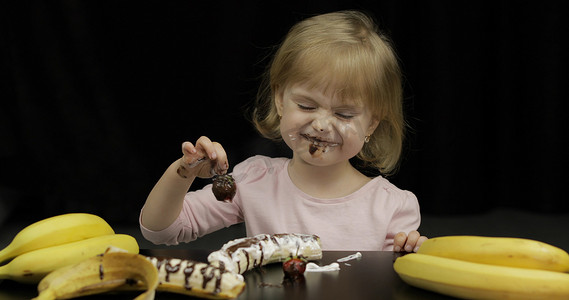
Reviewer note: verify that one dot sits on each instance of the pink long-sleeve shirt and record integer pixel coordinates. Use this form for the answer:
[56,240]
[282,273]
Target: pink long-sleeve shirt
[268,202]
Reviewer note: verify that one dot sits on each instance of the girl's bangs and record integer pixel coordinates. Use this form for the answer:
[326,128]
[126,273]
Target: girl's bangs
[337,72]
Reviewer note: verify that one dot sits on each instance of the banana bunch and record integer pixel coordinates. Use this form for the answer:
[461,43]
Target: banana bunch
[114,269]
[55,242]
[475,267]
[55,231]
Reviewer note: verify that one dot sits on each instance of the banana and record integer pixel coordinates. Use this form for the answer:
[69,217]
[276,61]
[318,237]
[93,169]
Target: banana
[513,252]
[32,266]
[196,279]
[470,280]
[55,231]
[243,254]
[99,274]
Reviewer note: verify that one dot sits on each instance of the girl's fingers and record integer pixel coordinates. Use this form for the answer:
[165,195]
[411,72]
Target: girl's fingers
[408,242]
[205,149]
[221,164]
[399,241]
[412,238]
[188,148]
[419,243]
[192,155]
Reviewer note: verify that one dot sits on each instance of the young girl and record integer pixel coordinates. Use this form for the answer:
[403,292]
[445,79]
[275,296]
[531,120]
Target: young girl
[333,91]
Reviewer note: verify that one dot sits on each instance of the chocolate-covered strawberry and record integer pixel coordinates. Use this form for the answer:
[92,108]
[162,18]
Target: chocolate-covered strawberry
[294,266]
[224,187]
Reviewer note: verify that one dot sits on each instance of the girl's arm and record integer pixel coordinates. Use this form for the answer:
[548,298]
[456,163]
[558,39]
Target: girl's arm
[164,202]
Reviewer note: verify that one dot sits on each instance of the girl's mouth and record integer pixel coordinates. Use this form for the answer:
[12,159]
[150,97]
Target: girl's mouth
[317,142]
[318,146]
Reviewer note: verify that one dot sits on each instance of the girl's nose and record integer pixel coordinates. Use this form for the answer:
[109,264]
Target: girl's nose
[321,124]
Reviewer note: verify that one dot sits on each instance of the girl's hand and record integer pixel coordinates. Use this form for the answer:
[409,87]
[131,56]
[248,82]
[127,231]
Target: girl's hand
[408,243]
[204,160]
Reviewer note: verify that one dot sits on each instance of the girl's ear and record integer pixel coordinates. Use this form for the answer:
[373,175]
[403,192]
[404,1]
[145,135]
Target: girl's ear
[372,126]
[279,101]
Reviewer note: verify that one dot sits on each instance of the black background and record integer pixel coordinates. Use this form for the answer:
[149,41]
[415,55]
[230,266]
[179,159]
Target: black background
[97,97]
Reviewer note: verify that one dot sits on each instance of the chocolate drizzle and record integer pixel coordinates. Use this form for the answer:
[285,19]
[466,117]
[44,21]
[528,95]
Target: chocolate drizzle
[221,266]
[188,269]
[208,275]
[262,255]
[160,262]
[274,238]
[246,243]
[101,271]
[169,268]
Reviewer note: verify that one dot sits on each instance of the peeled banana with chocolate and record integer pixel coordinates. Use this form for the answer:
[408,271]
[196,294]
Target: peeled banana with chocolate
[198,279]
[243,254]
[110,271]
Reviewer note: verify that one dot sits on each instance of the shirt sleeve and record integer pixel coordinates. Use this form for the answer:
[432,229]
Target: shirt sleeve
[406,219]
[202,213]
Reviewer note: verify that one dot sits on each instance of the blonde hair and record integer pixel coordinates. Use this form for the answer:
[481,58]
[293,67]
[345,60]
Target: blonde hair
[345,51]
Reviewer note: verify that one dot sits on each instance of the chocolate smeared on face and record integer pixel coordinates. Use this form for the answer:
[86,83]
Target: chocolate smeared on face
[312,149]
[318,146]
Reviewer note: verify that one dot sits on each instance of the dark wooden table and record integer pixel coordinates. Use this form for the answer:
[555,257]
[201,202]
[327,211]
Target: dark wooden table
[371,277]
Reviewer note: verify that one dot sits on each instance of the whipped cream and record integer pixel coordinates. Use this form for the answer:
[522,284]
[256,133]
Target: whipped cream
[312,267]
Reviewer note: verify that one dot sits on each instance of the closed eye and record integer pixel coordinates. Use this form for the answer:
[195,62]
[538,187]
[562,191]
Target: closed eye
[305,107]
[345,116]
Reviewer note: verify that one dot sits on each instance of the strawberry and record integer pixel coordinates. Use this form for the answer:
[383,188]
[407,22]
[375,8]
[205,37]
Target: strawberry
[294,266]
[224,187]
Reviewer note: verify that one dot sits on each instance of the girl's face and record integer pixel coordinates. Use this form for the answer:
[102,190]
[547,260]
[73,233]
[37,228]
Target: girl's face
[321,128]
